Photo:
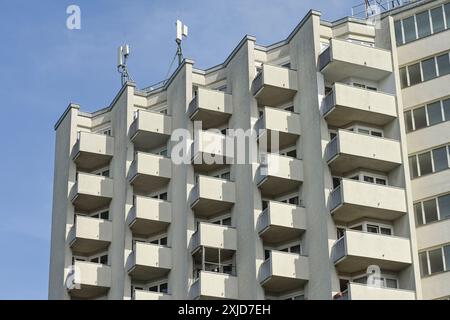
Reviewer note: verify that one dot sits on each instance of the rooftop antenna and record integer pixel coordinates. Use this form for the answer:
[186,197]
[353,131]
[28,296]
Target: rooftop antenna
[122,58]
[182,31]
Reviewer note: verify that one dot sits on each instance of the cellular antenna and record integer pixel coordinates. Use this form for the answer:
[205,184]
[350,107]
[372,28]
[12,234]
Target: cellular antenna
[122,58]
[182,32]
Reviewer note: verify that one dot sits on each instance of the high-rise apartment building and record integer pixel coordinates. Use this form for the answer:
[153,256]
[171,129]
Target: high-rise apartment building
[353,205]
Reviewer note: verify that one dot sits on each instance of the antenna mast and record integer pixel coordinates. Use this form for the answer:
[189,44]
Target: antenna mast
[182,31]
[122,59]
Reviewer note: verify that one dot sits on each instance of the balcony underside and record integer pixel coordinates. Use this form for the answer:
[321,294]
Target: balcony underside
[148,183]
[352,264]
[344,163]
[87,161]
[274,96]
[88,292]
[88,246]
[147,273]
[210,118]
[277,284]
[337,71]
[149,140]
[207,208]
[278,234]
[145,227]
[350,212]
[89,203]
[284,139]
[272,186]
[340,116]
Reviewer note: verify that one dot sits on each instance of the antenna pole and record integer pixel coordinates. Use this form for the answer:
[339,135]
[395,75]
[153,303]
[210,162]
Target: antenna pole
[179,52]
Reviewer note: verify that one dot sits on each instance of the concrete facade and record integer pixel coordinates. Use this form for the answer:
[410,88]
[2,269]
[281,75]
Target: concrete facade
[331,215]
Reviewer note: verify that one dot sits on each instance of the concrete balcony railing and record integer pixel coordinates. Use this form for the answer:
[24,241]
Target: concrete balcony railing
[150,129]
[209,151]
[149,261]
[281,222]
[274,85]
[278,124]
[89,280]
[212,107]
[349,151]
[284,272]
[354,200]
[357,250]
[91,192]
[149,216]
[211,196]
[358,291]
[149,172]
[92,150]
[150,295]
[346,104]
[212,285]
[214,236]
[344,59]
[90,235]
[279,174]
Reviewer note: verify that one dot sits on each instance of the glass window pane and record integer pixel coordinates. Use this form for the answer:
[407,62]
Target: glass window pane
[163,287]
[403,78]
[430,210]
[409,28]
[398,32]
[443,64]
[408,121]
[423,24]
[444,206]
[296,249]
[420,119]
[413,167]
[385,231]
[438,19]
[447,257]
[391,283]
[414,74]
[429,69]
[440,159]
[418,213]
[423,264]
[425,163]
[434,112]
[436,263]
[372,228]
[446,106]
[368,179]
[380,181]
[447,13]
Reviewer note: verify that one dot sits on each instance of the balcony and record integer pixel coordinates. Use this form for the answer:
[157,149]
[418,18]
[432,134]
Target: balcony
[150,295]
[283,123]
[212,285]
[150,129]
[274,85]
[149,216]
[90,235]
[149,172]
[92,150]
[349,151]
[209,151]
[284,272]
[210,235]
[211,196]
[213,108]
[356,199]
[91,192]
[357,291]
[357,250]
[343,59]
[279,174]
[149,261]
[88,280]
[281,222]
[346,104]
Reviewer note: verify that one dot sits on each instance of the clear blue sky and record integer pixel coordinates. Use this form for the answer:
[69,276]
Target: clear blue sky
[44,66]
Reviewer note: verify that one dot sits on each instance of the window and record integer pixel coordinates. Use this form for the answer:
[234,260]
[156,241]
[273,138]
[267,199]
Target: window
[386,231]
[423,24]
[292,153]
[398,32]
[391,283]
[429,69]
[418,213]
[373,229]
[368,179]
[423,263]
[425,163]
[434,113]
[293,200]
[409,29]
[413,167]
[163,288]
[437,19]
[290,109]
[403,77]
[414,74]
[440,159]
[447,13]
[430,210]
[436,261]
[435,209]
[380,181]
[446,106]
[444,207]
[443,64]
[408,121]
